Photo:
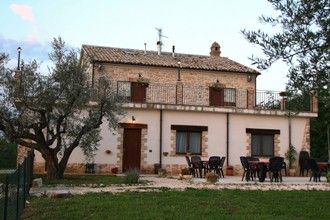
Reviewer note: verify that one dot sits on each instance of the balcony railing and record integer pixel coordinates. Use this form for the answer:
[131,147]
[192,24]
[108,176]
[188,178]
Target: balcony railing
[194,95]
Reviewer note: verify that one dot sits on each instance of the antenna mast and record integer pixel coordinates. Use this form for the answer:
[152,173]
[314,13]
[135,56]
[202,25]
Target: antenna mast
[160,36]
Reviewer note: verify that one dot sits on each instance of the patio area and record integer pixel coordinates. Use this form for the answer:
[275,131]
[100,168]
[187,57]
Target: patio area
[156,183]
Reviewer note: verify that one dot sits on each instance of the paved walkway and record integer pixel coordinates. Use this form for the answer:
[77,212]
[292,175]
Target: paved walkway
[156,183]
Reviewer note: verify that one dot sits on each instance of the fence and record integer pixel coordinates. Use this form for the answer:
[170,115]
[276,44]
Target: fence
[15,189]
[196,95]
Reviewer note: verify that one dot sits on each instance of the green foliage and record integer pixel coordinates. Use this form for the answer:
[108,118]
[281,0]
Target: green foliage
[8,154]
[59,111]
[291,155]
[185,171]
[132,176]
[302,42]
[211,177]
[188,204]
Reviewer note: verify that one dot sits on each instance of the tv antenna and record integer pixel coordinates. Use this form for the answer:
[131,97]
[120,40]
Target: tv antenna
[160,36]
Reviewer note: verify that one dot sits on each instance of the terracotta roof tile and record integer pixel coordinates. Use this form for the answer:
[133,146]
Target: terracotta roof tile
[188,61]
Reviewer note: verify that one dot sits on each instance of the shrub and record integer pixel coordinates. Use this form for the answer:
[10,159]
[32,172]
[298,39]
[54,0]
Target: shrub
[185,171]
[132,176]
[211,177]
[162,173]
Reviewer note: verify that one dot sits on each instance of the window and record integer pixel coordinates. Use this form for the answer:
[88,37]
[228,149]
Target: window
[124,89]
[262,145]
[188,138]
[229,97]
[188,142]
[222,96]
[262,141]
[133,91]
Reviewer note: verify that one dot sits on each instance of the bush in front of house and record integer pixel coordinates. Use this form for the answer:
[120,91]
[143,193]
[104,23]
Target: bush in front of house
[132,176]
[211,177]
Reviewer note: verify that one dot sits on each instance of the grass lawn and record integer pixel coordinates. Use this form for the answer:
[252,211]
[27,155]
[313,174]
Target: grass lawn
[189,204]
[78,180]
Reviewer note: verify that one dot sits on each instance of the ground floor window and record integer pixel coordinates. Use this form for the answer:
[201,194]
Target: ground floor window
[262,141]
[188,142]
[188,139]
[262,145]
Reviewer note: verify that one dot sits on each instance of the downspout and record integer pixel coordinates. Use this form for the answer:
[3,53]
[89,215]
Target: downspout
[93,63]
[160,137]
[227,141]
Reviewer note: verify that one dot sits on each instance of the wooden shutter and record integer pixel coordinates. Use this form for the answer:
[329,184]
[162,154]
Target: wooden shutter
[216,96]
[138,92]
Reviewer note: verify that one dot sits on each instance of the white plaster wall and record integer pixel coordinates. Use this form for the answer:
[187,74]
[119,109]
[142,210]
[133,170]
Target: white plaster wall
[216,132]
[216,123]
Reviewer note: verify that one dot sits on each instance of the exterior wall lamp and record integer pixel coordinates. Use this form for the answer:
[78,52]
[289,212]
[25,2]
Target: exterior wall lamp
[133,119]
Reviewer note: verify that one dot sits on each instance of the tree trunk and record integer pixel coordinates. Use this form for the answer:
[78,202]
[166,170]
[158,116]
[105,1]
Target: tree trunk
[54,171]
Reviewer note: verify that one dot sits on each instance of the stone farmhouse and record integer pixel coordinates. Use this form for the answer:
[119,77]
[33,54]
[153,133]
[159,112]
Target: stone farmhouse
[184,104]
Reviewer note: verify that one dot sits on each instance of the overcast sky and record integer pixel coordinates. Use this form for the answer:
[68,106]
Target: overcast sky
[192,26]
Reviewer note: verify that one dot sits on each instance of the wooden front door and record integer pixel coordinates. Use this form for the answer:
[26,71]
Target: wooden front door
[132,148]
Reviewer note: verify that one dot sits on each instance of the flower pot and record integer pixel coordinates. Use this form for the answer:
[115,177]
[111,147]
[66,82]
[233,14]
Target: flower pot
[230,171]
[292,172]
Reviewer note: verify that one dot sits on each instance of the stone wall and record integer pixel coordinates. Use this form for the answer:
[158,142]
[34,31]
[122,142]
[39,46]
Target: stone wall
[164,75]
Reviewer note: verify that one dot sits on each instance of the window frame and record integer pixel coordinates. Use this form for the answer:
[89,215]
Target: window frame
[189,129]
[262,147]
[258,131]
[217,97]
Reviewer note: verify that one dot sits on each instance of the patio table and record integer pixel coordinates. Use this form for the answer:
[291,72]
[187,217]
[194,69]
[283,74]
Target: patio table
[324,166]
[261,167]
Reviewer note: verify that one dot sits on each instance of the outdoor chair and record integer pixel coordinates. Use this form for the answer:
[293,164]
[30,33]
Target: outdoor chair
[254,169]
[303,162]
[197,165]
[275,167]
[315,170]
[190,166]
[214,165]
[247,171]
[222,162]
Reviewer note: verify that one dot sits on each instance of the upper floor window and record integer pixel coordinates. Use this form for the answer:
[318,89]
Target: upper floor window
[222,96]
[133,91]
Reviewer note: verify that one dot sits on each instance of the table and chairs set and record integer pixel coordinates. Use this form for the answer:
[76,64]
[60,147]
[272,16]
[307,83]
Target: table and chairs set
[254,168]
[199,167]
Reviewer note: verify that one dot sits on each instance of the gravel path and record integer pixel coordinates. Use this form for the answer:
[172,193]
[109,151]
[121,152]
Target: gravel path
[156,184]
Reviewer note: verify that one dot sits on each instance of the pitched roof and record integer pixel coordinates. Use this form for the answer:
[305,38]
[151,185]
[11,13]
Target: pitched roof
[151,58]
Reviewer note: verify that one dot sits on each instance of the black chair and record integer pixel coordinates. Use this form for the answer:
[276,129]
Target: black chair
[254,169]
[247,171]
[315,170]
[190,167]
[303,162]
[214,165]
[222,162]
[197,165]
[284,168]
[275,167]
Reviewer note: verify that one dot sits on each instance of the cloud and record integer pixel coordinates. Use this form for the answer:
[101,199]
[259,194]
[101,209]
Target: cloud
[24,11]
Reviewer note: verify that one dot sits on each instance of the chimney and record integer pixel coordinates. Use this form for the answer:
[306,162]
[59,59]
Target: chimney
[159,47]
[215,50]
[173,51]
[145,48]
